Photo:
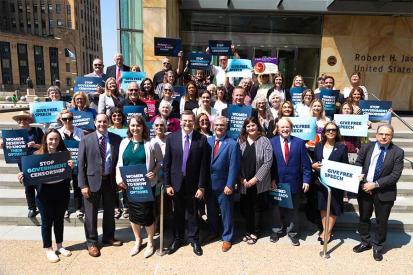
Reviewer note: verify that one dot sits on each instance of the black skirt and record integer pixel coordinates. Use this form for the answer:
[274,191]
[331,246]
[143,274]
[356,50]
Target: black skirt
[337,204]
[142,213]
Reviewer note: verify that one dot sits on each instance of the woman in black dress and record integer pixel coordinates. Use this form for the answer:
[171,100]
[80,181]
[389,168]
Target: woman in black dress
[330,148]
[133,150]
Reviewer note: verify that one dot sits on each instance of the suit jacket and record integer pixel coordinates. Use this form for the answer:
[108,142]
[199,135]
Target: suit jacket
[197,165]
[111,70]
[339,154]
[226,164]
[390,173]
[90,161]
[298,168]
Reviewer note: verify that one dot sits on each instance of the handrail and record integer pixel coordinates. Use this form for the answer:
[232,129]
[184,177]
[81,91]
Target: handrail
[324,253]
[396,115]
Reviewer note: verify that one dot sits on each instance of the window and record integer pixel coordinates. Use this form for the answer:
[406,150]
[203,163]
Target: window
[42,8]
[12,8]
[68,81]
[29,9]
[50,6]
[69,24]
[54,64]
[39,65]
[58,8]
[23,62]
[68,10]
[5,58]
[68,67]
[51,24]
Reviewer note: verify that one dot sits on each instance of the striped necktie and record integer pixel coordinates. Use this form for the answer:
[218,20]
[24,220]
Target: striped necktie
[379,164]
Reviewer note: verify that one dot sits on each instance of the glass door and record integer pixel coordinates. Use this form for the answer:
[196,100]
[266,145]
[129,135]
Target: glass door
[287,60]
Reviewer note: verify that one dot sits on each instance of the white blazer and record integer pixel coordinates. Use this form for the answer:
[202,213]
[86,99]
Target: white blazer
[77,133]
[153,159]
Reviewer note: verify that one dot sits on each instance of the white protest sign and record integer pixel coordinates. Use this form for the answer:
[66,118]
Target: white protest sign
[341,175]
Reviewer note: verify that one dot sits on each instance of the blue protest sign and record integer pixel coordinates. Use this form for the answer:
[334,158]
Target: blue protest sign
[152,133]
[38,169]
[265,65]
[83,120]
[167,46]
[352,125]
[139,186]
[199,61]
[341,175]
[220,47]
[73,147]
[304,127]
[128,77]
[120,132]
[87,84]
[296,93]
[15,144]
[236,117]
[239,68]
[377,110]
[329,98]
[179,91]
[282,196]
[46,112]
[131,110]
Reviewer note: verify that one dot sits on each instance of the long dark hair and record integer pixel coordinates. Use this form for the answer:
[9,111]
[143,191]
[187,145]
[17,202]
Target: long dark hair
[244,134]
[152,90]
[140,120]
[323,133]
[43,148]
[186,90]
[117,110]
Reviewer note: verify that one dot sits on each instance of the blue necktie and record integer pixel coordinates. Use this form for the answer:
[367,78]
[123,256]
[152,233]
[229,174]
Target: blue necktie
[185,155]
[379,164]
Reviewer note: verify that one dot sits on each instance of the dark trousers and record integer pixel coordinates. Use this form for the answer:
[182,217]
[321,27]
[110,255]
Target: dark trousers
[185,203]
[124,199]
[30,191]
[52,200]
[107,193]
[382,211]
[218,202]
[286,219]
[252,208]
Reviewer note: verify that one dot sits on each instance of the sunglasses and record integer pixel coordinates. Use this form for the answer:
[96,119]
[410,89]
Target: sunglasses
[67,118]
[167,89]
[134,90]
[98,65]
[166,63]
[331,130]
[159,125]
[116,115]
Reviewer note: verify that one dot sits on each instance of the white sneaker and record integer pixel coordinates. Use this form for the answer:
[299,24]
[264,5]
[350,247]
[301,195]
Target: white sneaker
[79,214]
[52,257]
[135,249]
[149,251]
[63,251]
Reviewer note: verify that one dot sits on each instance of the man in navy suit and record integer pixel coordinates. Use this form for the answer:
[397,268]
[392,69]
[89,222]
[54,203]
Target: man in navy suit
[186,169]
[382,163]
[117,69]
[293,167]
[225,164]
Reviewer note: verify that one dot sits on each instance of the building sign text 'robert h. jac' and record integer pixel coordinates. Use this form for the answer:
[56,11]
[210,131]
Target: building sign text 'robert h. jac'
[383,63]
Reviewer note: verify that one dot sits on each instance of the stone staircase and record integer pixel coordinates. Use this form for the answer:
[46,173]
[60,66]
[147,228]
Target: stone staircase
[14,210]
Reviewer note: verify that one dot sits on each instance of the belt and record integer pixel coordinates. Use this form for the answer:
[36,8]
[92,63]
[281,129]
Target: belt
[106,177]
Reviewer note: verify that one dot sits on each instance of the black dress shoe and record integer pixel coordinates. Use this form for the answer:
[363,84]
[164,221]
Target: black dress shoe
[32,213]
[274,238]
[377,255]
[361,247]
[197,248]
[294,241]
[175,245]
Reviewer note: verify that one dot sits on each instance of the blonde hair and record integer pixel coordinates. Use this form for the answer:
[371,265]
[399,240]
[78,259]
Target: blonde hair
[83,95]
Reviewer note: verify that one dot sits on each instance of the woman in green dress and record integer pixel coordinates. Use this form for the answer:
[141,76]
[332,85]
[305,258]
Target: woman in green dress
[133,150]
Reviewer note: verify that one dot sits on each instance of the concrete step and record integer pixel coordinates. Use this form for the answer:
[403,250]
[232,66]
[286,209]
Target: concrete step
[402,205]
[397,221]
[398,134]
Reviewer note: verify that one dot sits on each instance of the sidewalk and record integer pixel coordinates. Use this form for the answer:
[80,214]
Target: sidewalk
[28,257]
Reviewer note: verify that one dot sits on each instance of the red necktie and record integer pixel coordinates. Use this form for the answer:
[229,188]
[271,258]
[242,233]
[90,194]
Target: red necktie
[216,148]
[118,77]
[286,150]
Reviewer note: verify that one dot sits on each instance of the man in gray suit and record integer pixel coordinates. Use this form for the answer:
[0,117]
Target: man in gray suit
[97,159]
[382,163]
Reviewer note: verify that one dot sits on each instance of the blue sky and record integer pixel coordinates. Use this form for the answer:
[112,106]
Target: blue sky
[108,22]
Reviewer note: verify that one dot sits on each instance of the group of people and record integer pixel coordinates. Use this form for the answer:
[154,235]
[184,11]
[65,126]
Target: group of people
[201,167]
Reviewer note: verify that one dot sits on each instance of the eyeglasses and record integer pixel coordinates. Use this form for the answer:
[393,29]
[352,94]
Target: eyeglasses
[167,89]
[166,63]
[116,115]
[98,65]
[67,118]
[134,90]
[159,125]
[331,130]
